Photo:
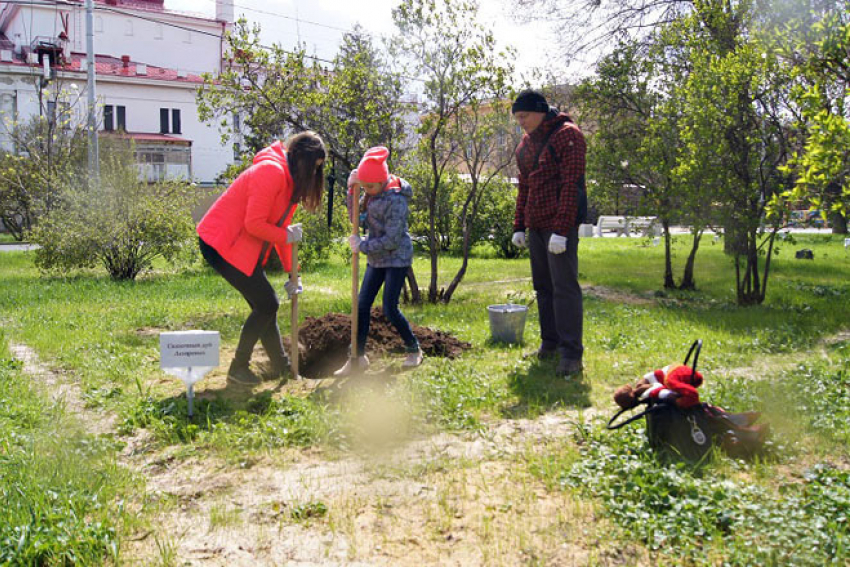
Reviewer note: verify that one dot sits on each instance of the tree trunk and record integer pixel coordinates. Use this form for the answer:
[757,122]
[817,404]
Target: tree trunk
[752,287]
[688,281]
[415,296]
[447,295]
[838,222]
[668,260]
[432,220]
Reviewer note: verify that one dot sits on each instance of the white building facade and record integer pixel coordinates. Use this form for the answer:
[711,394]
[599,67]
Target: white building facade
[149,63]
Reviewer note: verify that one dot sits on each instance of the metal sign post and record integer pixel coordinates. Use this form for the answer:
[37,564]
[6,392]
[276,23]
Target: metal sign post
[189,355]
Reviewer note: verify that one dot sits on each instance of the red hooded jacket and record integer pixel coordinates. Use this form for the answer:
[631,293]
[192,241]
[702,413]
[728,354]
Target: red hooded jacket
[245,216]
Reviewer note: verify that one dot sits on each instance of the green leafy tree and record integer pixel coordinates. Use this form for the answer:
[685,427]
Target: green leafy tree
[483,151]
[353,103]
[634,104]
[735,133]
[122,224]
[823,163]
[455,55]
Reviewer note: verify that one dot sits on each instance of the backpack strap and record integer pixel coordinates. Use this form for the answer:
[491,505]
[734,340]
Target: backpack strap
[698,347]
[635,417]
[279,224]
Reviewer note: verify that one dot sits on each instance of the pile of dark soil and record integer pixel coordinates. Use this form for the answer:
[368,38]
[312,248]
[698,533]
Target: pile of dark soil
[325,340]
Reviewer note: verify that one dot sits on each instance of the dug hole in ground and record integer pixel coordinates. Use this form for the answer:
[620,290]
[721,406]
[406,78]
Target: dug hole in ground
[324,342]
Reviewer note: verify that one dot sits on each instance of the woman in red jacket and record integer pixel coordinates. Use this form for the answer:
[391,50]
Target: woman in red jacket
[237,232]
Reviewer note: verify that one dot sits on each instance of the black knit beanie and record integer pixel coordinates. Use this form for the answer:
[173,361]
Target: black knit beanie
[530,101]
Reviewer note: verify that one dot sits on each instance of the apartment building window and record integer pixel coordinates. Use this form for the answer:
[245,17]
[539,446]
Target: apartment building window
[176,127]
[169,121]
[157,162]
[114,118]
[121,116]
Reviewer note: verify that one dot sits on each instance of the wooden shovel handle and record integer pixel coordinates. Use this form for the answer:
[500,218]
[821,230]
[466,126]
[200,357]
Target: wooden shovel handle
[355,271]
[293,277]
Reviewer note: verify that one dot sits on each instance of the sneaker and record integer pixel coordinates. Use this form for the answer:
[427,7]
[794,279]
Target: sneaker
[413,359]
[352,366]
[242,375]
[568,367]
[542,354]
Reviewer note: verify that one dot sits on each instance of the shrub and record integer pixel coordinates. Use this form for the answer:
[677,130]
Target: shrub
[121,223]
[48,158]
[495,222]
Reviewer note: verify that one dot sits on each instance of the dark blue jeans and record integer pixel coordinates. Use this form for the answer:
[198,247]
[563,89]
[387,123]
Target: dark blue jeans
[393,280]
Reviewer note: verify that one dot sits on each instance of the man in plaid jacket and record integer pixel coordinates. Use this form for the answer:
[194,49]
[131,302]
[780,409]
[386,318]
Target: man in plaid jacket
[551,161]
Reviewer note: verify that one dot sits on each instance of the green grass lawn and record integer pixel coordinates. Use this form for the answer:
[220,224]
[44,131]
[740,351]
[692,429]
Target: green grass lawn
[105,334]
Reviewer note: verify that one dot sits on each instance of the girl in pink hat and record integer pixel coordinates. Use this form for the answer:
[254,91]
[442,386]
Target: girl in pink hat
[388,249]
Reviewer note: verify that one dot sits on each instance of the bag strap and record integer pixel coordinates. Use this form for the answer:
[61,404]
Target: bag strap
[546,145]
[279,224]
[635,417]
[698,347]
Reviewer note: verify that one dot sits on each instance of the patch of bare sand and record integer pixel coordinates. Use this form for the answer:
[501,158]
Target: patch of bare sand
[767,365]
[617,295]
[444,500]
[61,389]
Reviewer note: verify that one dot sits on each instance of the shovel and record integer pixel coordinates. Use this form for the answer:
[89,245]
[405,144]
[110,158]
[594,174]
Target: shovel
[293,277]
[355,273]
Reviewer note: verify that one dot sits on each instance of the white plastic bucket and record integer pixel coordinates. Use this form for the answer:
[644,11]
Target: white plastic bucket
[507,322]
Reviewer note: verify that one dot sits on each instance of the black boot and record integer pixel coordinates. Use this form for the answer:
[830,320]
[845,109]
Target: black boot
[279,365]
[240,373]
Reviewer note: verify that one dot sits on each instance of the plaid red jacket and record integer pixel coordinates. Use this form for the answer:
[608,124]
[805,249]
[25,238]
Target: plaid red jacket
[548,194]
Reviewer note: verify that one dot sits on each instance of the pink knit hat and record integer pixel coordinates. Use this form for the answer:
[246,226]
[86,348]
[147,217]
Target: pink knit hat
[373,166]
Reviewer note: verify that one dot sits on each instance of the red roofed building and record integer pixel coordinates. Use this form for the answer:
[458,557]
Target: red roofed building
[149,63]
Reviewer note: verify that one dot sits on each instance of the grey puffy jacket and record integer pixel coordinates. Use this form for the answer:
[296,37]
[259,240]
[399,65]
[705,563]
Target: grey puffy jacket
[388,243]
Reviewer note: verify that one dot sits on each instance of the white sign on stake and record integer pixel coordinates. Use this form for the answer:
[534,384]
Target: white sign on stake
[189,355]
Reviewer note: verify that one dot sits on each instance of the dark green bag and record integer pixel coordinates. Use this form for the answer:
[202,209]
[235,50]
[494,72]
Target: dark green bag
[687,434]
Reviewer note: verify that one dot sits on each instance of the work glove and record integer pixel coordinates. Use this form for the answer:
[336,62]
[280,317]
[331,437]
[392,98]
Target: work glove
[294,233]
[354,241]
[352,180]
[557,244]
[293,287]
[518,239]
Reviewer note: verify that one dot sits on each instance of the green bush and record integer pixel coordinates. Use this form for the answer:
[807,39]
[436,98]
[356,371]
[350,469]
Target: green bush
[122,223]
[495,222]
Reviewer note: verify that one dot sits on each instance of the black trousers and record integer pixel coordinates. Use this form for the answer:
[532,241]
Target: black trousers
[261,324]
[559,301]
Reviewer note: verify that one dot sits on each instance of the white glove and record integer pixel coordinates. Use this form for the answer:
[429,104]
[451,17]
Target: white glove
[354,241]
[557,244]
[352,179]
[518,239]
[294,233]
[293,287]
